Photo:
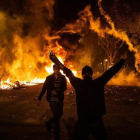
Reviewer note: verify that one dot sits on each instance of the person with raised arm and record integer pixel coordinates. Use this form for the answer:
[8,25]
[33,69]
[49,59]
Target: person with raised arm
[89,99]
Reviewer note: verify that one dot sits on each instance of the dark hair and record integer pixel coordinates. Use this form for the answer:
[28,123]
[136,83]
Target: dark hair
[56,67]
[87,69]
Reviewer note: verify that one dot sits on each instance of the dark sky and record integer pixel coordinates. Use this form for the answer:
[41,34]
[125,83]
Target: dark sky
[67,10]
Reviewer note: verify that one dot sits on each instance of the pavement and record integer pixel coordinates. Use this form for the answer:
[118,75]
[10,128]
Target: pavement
[21,119]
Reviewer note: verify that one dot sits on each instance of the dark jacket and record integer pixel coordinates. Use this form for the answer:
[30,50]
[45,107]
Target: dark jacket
[90,94]
[49,86]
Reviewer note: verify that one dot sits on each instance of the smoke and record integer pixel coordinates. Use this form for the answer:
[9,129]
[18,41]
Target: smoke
[22,41]
[125,78]
[28,33]
[87,22]
[118,33]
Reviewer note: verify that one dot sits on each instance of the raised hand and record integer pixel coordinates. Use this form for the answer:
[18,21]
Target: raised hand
[52,56]
[124,56]
[55,60]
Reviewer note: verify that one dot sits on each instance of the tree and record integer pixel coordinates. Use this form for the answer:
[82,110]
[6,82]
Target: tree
[111,45]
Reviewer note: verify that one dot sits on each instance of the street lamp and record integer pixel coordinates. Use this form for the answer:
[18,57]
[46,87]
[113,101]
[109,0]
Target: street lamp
[106,63]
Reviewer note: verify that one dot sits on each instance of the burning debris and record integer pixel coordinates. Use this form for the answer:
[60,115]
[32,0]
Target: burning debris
[8,85]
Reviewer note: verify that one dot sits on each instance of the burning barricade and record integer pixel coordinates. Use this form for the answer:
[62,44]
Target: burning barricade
[8,85]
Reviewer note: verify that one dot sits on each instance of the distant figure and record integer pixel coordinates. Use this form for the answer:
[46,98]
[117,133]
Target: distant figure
[90,99]
[55,85]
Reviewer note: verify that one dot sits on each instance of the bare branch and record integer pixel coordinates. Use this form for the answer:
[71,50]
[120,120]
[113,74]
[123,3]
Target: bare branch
[111,45]
[121,44]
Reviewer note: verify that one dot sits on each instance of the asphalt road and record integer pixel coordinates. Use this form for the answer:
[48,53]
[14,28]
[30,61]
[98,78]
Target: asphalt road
[21,119]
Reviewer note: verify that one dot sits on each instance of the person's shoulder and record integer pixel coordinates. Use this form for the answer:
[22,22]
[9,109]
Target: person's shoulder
[96,79]
[62,76]
[79,79]
[50,76]
[98,82]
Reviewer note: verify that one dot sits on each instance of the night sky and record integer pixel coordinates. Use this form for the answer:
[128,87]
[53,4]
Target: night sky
[66,11]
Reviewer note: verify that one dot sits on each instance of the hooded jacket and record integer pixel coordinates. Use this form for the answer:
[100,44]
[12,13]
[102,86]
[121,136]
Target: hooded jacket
[90,93]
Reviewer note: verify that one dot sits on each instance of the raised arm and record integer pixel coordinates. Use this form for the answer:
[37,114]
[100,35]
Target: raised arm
[113,70]
[66,71]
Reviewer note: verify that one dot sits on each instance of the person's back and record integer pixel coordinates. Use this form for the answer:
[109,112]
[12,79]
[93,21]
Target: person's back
[90,93]
[90,99]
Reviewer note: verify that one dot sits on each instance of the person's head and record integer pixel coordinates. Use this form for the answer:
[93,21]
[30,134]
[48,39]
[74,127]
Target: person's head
[87,72]
[56,68]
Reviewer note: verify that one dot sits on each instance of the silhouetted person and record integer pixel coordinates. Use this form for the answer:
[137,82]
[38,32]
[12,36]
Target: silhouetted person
[55,85]
[90,99]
